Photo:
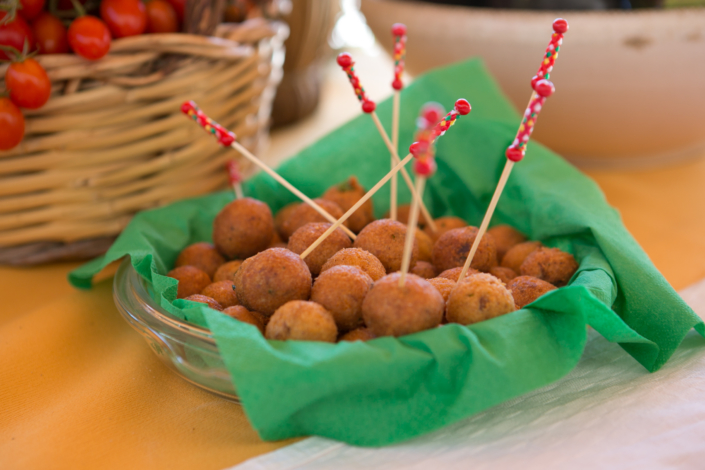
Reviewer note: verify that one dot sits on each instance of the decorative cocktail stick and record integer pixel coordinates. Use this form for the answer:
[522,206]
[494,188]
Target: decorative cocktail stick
[357,205]
[235,178]
[399,32]
[517,149]
[228,139]
[462,107]
[368,106]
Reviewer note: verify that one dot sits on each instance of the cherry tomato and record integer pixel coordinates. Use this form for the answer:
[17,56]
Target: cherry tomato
[179,7]
[89,37]
[14,34]
[50,34]
[11,124]
[124,17]
[31,9]
[28,83]
[161,17]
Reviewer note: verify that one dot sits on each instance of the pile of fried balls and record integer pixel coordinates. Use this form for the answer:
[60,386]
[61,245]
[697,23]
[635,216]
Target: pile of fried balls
[349,291]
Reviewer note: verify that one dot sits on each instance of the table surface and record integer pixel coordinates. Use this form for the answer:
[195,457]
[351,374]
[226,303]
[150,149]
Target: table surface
[80,389]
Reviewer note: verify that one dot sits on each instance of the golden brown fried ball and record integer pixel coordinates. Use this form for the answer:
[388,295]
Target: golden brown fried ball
[309,233]
[550,264]
[403,212]
[517,254]
[243,228]
[443,224]
[223,292]
[276,241]
[424,269]
[502,273]
[226,272]
[301,320]
[390,310]
[203,299]
[454,273]
[452,248]
[346,195]
[305,214]
[477,298]
[341,290]
[238,312]
[272,278]
[359,258]
[443,285]
[384,238]
[505,237]
[281,217]
[191,280]
[202,255]
[425,246]
[526,289]
[359,334]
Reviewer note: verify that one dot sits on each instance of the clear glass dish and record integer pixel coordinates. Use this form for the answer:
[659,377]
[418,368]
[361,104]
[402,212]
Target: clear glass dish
[187,349]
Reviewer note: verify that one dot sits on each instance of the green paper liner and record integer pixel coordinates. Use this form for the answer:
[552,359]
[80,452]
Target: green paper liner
[393,389]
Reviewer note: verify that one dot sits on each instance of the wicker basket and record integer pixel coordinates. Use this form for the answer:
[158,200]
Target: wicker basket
[112,141]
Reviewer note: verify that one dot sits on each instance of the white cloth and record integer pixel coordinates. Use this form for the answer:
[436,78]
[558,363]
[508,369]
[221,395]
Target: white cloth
[609,412]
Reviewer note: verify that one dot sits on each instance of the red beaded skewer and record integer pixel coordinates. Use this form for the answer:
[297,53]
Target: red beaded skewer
[235,177]
[424,151]
[399,33]
[228,139]
[368,106]
[542,89]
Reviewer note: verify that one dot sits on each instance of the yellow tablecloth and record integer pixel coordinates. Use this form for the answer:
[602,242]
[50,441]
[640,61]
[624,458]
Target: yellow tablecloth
[80,389]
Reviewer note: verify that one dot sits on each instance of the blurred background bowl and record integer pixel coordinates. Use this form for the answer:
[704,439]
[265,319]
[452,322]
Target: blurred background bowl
[629,83]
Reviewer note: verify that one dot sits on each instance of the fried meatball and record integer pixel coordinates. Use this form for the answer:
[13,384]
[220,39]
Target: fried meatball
[191,280]
[425,246]
[550,264]
[443,224]
[203,299]
[226,272]
[424,270]
[222,291]
[346,195]
[477,298]
[526,289]
[301,320]
[454,273]
[384,238]
[452,248]
[309,233]
[202,255]
[305,214]
[403,212]
[243,228]
[272,278]
[505,237]
[341,290]
[358,258]
[359,334]
[502,273]
[517,254]
[390,310]
[238,312]
[443,285]
[280,219]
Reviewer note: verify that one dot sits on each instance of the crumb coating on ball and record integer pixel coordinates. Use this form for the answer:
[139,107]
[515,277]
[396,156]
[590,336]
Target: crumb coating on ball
[346,195]
[191,280]
[526,289]
[204,299]
[517,254]
[223,292]
[452,248]
[226,272]
[477,298]
[341,290]
[309,233]
[238,312]
[384,238]
[505,237]
[202,255]
[303,321]
[550,264]
[424,269]
[444,224]
[304,214]
[359,258]
[243,228]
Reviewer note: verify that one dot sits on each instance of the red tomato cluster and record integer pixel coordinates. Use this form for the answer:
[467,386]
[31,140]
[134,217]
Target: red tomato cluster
[28,28]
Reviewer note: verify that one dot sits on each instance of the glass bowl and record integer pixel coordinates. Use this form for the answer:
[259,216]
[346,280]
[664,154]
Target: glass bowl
[187,349]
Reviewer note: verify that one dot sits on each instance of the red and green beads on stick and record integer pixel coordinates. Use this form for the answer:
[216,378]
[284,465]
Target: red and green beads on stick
[560,27]
[345,61]
[544,89]
[399,32]
[224,136]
